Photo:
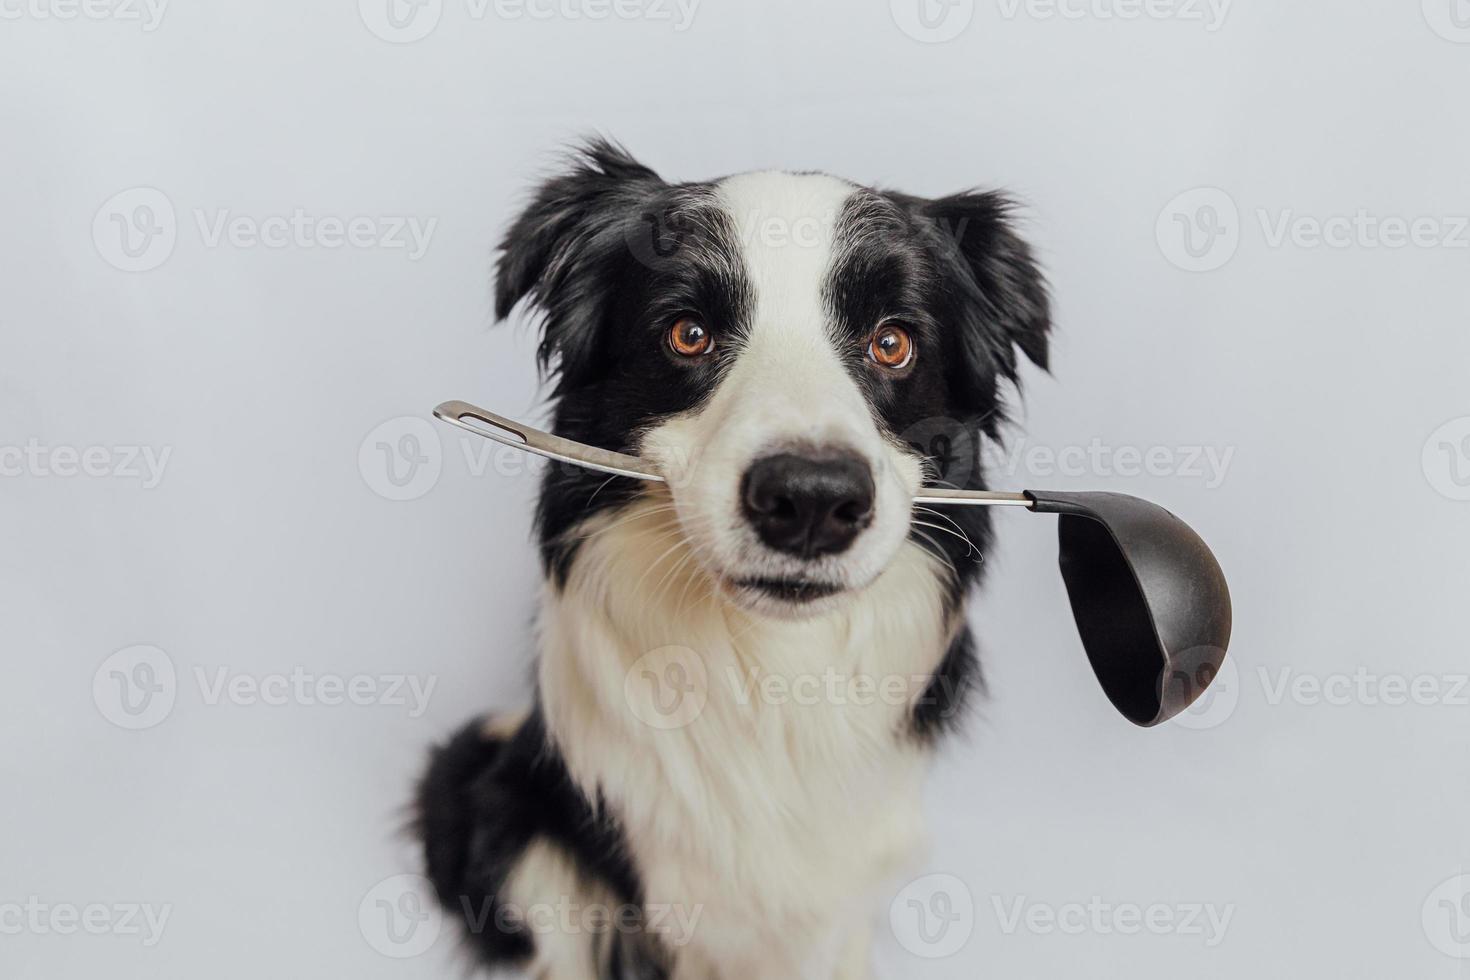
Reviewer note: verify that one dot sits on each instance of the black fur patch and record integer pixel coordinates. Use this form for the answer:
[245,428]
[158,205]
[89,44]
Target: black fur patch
[481,803]
[941,708]
[954,273]
[612,256]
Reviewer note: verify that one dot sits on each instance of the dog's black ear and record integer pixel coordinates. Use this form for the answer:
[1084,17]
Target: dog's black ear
[992,278]
[566,250]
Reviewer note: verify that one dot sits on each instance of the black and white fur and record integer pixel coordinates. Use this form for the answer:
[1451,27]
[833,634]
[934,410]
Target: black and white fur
[770,824]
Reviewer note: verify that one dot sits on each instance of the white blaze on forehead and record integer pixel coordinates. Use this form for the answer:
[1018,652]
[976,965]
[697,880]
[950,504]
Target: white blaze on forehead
[786,226]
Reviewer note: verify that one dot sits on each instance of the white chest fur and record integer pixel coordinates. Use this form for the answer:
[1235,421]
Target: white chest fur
[761,769]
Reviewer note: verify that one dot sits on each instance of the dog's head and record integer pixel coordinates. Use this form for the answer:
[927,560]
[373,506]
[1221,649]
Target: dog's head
[774,342]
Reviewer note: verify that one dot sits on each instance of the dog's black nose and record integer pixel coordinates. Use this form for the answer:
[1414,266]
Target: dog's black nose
[809,505]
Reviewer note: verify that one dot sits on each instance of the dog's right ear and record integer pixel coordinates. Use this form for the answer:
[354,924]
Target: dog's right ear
[565,252]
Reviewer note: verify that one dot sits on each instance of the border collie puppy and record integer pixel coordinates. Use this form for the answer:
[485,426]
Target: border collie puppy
[742,673]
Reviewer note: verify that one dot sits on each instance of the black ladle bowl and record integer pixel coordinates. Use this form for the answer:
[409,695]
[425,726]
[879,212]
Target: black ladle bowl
[1149,598]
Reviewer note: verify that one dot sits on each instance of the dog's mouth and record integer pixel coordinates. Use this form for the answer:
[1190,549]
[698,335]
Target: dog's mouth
[792,591]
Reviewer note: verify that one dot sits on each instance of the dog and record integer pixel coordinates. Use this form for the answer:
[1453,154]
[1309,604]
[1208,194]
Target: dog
[742,674]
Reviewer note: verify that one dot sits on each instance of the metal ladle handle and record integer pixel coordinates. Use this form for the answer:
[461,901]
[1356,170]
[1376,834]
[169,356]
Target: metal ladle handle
[520,436]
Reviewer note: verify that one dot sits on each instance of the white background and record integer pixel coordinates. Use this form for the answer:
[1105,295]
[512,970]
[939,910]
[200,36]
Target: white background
[1323,826]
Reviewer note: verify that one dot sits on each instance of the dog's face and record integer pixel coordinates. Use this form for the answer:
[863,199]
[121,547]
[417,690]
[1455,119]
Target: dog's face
[771,341]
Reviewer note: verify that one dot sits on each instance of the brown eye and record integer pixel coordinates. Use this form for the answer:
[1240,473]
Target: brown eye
[690,338]
[891,347]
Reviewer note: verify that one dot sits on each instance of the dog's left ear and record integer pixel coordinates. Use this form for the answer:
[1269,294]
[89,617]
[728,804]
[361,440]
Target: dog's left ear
[991,276]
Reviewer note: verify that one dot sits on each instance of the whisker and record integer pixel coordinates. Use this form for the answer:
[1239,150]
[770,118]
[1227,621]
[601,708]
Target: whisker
[952,522]
[639,515]
[939,527]
[600,487]
[938,553]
